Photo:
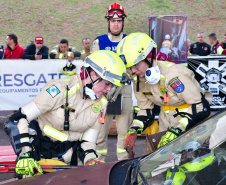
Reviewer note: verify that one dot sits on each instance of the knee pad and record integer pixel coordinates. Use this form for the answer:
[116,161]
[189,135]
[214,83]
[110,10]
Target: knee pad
[17,140]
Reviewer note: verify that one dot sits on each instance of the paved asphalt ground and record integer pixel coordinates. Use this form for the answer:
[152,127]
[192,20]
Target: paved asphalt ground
[140,148]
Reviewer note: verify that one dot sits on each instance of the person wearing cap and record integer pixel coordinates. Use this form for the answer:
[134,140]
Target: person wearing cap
[36,51]
[171,86]
[64,51]
[70,113]
[122,100]
[13,49]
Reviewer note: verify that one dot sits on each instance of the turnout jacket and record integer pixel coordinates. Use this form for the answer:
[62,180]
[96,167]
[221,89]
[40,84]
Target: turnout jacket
[178,84]
[49,105]
[57,54]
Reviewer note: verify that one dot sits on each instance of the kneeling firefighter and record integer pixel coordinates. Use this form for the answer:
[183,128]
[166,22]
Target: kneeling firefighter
[70,113]
[171,86]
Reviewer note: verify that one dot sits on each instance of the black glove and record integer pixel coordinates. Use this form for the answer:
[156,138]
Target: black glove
[17,116]
[147,122]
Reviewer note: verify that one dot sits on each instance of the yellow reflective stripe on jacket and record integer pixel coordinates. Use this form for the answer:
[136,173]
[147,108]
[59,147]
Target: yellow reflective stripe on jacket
[24,140]
[184,122]
[103,151]
[52,132]
[104,100]
[61,55]
[72,90]
[167,107]
[120,150]
[162,78]
[140,122]
[167,64]
[135,108]
[69,54]
[67,78]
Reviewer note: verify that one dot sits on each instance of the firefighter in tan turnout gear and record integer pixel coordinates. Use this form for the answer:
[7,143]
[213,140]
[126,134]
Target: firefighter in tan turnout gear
[70,113]
[115,16]
[171,86]
[64,51]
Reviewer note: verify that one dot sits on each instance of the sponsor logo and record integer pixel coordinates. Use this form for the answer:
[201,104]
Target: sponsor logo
[17,80]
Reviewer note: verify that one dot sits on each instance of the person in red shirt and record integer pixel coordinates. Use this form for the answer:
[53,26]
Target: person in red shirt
[13,49]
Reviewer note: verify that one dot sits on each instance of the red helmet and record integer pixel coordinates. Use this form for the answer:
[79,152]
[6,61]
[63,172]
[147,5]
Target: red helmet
[115,11]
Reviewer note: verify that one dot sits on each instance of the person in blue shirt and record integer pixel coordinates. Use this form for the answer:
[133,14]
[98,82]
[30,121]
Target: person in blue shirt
[115,16]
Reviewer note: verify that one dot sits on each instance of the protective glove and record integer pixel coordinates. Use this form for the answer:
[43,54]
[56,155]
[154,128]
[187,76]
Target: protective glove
[131,137]
[17,116]
[27,165]
[93,162]
[170,135]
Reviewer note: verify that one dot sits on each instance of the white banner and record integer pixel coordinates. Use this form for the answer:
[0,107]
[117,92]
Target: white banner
[21,80]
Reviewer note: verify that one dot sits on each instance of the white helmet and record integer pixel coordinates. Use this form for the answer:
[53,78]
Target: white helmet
[167,36]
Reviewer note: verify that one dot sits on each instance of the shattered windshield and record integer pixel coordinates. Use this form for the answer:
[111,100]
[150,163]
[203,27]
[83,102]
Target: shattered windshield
[196,157]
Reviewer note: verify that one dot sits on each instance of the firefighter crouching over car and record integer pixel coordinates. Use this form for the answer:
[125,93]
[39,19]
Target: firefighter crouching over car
[70,113]
[171,86]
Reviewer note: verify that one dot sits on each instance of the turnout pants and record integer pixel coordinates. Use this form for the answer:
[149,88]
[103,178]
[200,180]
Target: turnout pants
[123,122]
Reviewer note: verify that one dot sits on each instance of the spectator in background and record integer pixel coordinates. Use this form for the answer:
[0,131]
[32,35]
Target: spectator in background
[224,38]
[64,51]
[13,49]
[1,52]
[213,41]
[200,48]
[36,51]
[86,46]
